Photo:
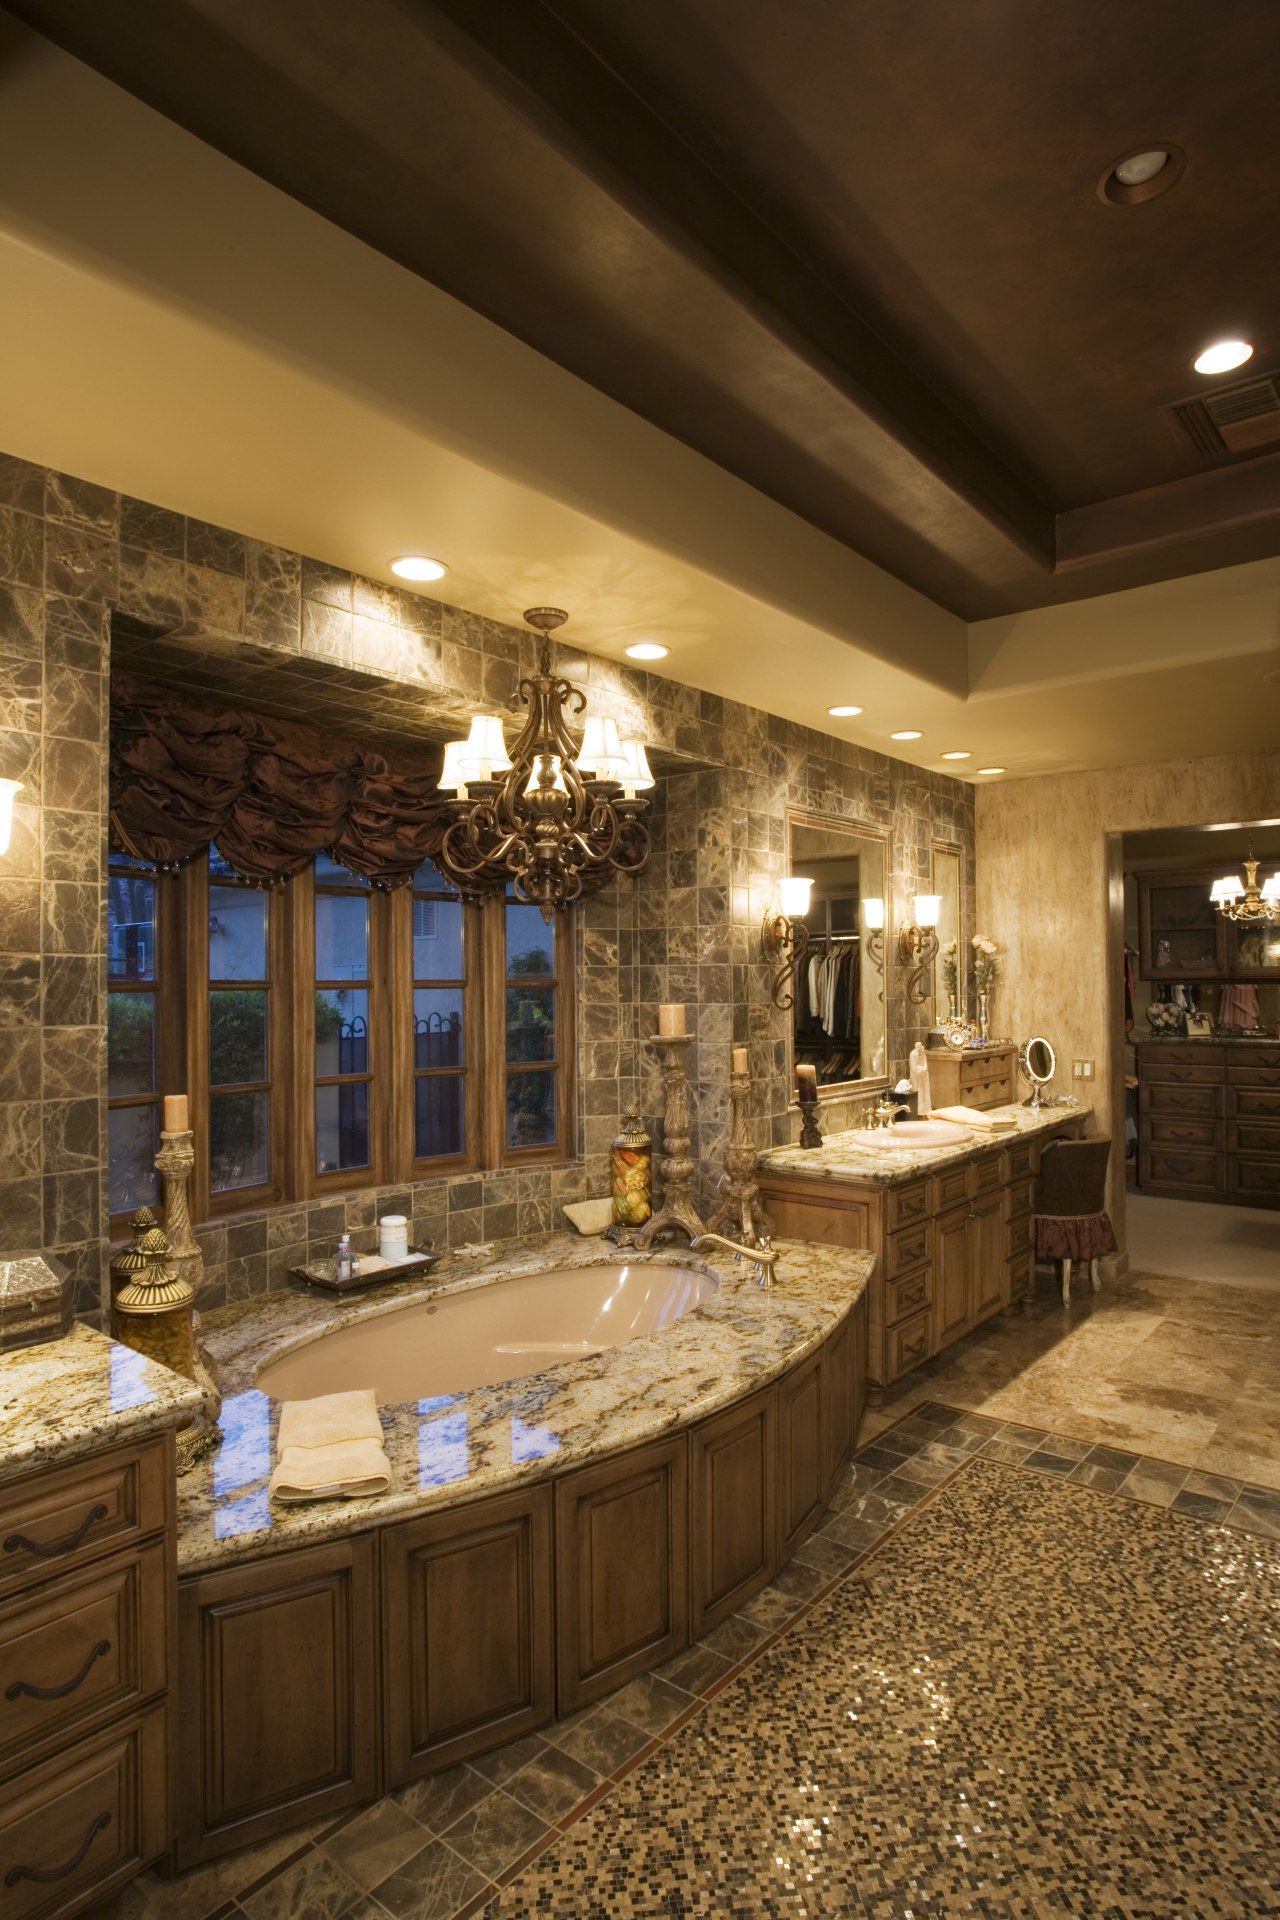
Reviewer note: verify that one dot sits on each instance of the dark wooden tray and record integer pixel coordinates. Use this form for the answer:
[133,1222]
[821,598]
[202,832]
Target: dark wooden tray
[371,1270]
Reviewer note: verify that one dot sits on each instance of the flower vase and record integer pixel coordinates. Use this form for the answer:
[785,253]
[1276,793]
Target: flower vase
[984,1016]
[953,1009]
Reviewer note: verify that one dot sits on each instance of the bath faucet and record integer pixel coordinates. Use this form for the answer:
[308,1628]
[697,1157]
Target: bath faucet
[764,1258]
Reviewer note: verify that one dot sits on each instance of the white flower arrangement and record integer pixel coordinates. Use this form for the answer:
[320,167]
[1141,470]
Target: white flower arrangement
[986,962]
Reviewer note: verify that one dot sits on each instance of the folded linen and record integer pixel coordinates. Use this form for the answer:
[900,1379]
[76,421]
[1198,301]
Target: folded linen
[330,1448]
[974,1117]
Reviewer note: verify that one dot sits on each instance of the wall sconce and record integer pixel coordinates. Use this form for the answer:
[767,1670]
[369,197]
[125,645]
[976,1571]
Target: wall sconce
[9,789]
[873,921]
[918,945]
[784,935]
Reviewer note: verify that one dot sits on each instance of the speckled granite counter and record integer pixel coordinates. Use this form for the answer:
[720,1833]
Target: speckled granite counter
[459,1446]
[67,1398]
[846,1156]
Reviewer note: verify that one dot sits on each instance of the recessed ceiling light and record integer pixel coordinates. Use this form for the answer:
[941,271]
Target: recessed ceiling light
[993,769]
[1224,356]
[1141,167]
[416,566]
[1141,174]
[843,713]
[958,753]
[647,650]
[907,733]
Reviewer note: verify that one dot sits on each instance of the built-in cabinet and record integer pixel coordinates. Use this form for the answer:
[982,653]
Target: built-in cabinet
[1209,1120]
[1182,936]
[490,1618]
[86,1657]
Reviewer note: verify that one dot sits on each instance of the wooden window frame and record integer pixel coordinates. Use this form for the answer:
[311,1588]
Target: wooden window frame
[498,1154]
[474,1027]
[309,1183]
[166,1032]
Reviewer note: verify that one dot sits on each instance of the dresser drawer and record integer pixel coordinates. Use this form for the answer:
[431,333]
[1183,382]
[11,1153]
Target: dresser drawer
[1255,1136]
[1191,1053]
[910,1295]
[84,1823]
[1259,1056]
[1019,1236]
[1254,1176]
[1020,1196]
[907,1345]
[1174,1073]
[987,1171]
[950,1187]
[908,1204]
[1161,1098]
[993,1090]
[910,1248]
[91,1644]
[1253,1103]
[1167,1130]
[58,1520]
[1267,1077]
[1187,1169]
[1019,1160]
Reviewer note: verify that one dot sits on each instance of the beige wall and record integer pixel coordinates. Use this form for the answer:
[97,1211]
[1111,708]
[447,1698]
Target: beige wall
[1045,874]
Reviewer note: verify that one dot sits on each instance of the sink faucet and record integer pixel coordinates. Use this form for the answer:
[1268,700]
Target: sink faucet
[764,1257]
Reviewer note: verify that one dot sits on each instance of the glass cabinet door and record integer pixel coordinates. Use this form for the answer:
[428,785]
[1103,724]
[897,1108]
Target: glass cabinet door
[1182,930]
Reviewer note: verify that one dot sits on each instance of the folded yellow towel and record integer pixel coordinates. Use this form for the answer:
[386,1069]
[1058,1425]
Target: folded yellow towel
[976,1118]
[330,1448]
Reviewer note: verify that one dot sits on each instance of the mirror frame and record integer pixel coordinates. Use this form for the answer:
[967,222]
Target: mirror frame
[1024,1060]
[855,830]
[950,849]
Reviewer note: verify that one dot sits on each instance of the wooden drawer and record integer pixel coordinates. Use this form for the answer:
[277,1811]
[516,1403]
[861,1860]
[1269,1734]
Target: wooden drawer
[58,1520]
[1019,1161]
[1254,1136]
[1183,1168]
[1191,1053]
[910,1248]
[1255,1076]
[992,1090]
[1250,1176]
[907,1204]
[1166,1130]
[906,1345]
[85,1647]
[1259,1056]
[987,1174]
[1019,1235]
[84,1823]
[907,1296]
[1162,1098]
[1253,1103]
[1020,1197]
[1175,1073]
[950,1187]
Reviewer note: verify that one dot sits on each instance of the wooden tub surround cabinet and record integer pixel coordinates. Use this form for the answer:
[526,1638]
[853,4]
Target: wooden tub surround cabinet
[951,1228]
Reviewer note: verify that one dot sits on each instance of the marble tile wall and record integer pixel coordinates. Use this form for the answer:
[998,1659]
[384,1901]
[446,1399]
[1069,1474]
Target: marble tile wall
[88,576]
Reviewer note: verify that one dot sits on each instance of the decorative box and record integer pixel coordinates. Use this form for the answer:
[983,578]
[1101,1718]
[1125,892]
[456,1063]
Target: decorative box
[35,1302]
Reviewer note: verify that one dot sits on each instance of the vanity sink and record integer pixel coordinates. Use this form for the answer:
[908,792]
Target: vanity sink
[905,1134]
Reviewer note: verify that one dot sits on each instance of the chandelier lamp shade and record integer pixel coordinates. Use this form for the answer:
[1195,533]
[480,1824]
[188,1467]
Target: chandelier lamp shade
[1244,900]
[549,812]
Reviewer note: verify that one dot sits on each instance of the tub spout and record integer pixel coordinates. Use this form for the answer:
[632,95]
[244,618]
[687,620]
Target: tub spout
[764,1257]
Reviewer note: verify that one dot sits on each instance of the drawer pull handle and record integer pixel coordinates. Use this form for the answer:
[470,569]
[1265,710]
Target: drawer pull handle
[49,1550]
[16,1688]
[46,1874]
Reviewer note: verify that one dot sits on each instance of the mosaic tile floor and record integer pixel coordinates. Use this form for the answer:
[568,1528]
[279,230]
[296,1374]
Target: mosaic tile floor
[1013,1674]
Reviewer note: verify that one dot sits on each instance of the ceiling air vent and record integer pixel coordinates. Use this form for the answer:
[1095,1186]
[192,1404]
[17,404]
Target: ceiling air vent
[1236,419]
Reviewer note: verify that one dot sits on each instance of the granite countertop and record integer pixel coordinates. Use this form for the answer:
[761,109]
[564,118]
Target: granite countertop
[66,1398]
[458,1446]
[847,1156]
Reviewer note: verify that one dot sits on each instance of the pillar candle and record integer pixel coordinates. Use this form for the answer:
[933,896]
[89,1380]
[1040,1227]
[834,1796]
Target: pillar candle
[739,1060]
[175,1113]
[807,1082]
[670,1022]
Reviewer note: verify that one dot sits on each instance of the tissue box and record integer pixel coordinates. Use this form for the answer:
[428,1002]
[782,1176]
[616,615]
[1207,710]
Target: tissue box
[35,1302]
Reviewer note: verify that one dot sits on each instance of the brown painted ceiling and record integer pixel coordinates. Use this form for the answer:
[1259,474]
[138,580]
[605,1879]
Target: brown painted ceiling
[852,252]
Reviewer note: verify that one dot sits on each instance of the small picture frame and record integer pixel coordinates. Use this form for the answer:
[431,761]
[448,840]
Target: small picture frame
[1199,1026]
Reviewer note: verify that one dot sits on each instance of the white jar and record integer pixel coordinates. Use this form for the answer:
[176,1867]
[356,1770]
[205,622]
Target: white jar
[393,1236]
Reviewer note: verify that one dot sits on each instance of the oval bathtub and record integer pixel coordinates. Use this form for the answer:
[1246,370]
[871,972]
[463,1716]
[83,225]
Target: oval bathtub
[488,1334]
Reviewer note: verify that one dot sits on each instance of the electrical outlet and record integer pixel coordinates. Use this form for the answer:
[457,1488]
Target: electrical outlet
[1087,1065]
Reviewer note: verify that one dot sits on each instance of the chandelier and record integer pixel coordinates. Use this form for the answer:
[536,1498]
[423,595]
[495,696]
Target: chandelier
[551,814]
[1245,901]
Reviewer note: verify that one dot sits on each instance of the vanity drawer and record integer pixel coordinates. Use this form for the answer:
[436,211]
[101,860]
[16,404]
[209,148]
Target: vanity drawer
[1174,1073]
[1185,1168]
[907,1296]
[82,1824]
[1166,1130]
[58,1520]
[910,1248]
[908,1204]
[993,1090]
[1019,1160]
[86,1646]
[1253,1103]
[950,1188]
[1020,1192]
[1255,1076]
[907,1345]
[987,1172]
[1019,1236]
[1168,1099]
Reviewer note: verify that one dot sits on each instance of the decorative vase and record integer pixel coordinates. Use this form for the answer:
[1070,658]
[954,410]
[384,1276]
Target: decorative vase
[631,1160]
[953,1010]
[984,1016]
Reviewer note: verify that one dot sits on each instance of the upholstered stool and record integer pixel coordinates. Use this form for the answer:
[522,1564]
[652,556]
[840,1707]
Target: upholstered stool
[1071,1220]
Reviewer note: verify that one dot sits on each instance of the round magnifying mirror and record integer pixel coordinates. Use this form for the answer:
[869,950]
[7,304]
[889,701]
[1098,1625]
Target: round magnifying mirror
[1039,1063]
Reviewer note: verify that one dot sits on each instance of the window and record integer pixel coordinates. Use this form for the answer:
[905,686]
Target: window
[330,1035]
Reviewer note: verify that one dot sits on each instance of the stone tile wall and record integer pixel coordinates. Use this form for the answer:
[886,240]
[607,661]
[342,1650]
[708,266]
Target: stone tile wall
[87,575]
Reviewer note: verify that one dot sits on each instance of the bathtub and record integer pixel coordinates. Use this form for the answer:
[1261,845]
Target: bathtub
[489,1334]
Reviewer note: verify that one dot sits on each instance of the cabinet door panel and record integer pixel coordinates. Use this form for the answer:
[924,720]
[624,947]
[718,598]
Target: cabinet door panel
[733,1534]
[838,1411]
[467,1612]
[278,1673]
[621,1570]
[951,1276]
[802,1479]
[987,1252]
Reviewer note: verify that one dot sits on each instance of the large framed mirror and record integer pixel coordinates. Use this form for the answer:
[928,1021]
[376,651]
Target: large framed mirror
[842,981]
[945,866]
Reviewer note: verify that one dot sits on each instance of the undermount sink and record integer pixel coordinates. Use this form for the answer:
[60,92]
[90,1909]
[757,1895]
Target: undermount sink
[913,1133]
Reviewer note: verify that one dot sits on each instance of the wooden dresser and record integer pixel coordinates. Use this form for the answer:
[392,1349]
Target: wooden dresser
[87,1587]
[1209,1120]
[972,1076]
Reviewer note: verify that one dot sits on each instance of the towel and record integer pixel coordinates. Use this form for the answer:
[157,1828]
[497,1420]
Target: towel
[973,1117]
[330,1448]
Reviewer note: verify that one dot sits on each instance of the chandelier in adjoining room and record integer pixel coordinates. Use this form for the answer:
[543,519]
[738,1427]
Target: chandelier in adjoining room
[1244,900]
[550,814]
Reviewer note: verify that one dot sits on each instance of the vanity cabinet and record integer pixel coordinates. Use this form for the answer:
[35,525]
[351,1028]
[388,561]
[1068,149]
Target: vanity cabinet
[1209,1120]
[733,1489]
[279,1695]
[86,1655]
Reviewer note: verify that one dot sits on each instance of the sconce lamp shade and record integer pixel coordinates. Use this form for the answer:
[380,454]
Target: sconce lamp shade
[486,748]
[1230,887]
[601,752]
[928,909]
[635,775]
[873,912]
[9,789]
[457,769]
[793,893]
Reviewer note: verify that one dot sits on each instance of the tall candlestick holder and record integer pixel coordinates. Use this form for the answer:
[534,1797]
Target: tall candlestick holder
[740,1205]
[677,1169]
[810,1131]
[175,1163]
